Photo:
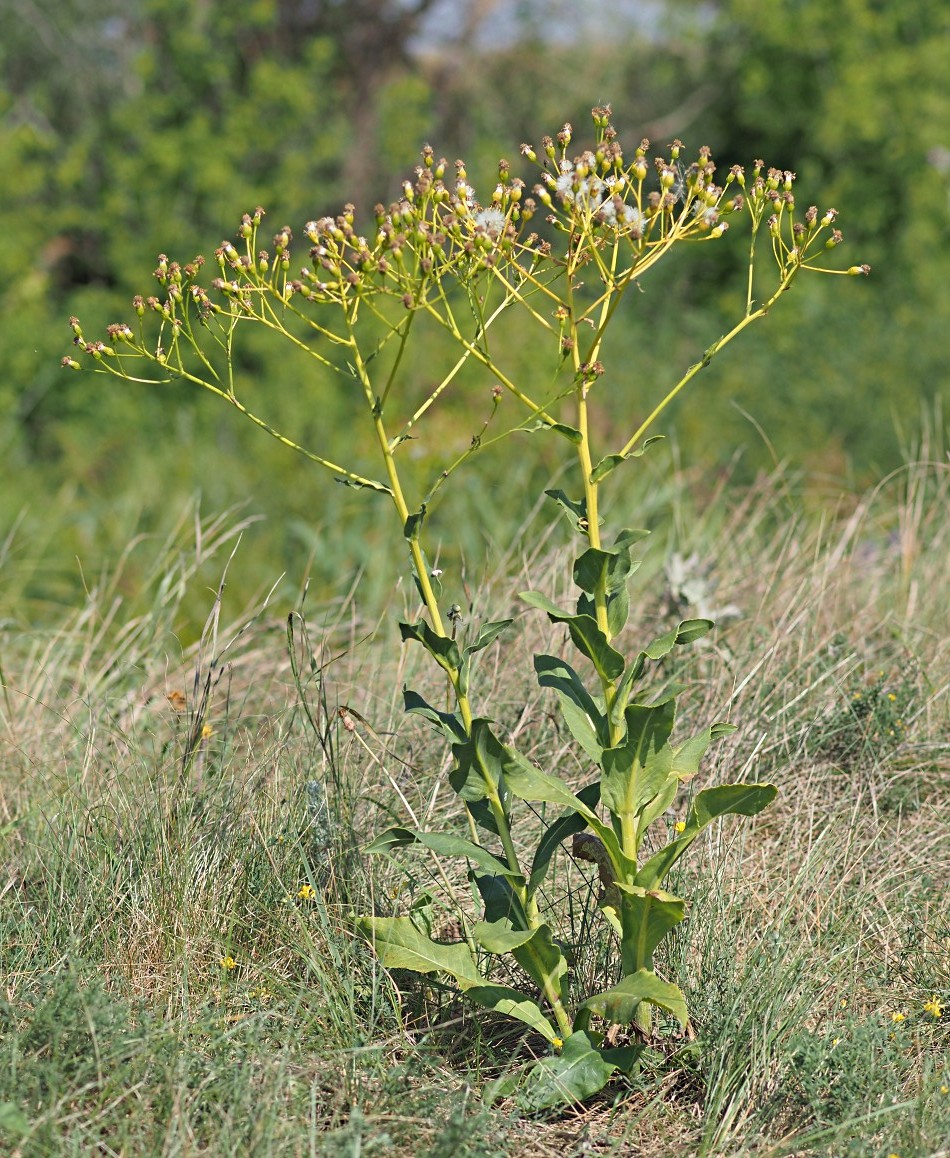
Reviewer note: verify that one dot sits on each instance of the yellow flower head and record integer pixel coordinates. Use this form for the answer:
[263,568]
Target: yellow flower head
[679,826]
[897,1016]
[228,963]
[307,892]
[934,1006]
[557,1042]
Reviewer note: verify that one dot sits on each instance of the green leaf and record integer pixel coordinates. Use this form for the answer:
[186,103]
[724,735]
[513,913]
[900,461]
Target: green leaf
[542,959]
[562,828]
[442,649]
[443,844]
[591,641]
[619,1004]
[618,611]
[610,463]
[531,784]
[569,432]
[512,1003]
[687,757]
[500,936]
[596,566]
[542,603]
[413,524]
[739,799]
[628,536]
[636,770]
[587,723]
[448,723]
[367,484]
[660,803]
[479,763]
[400,945]
[487,634]
[645,917]
[576,509]
[500,900]
[534,949]
[570,1078]
[692,629]
[684,633]
[707,806]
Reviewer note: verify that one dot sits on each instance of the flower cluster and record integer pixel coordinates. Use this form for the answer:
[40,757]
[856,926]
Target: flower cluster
[439,228]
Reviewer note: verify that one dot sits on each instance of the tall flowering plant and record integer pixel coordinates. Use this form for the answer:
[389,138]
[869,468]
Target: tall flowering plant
[563,253]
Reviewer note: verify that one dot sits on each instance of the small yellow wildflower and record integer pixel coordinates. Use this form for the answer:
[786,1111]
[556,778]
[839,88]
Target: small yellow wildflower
[207,732]
[843,1003]
[897,1016]
[307,892]
[835,1040]
[679,826]
[228,963]
[934,1007]
[945,1089]
[557,1042]
[892,697]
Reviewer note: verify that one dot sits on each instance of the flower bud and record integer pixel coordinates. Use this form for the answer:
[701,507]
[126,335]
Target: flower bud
[859,270]
[70,363]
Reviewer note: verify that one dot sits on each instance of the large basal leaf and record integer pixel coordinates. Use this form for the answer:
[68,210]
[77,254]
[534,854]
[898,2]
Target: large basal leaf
[443,844]
[619,1004]
[585,720]
[534,949]
[570,1078]
[708,805]
[512,1003]
[400,945]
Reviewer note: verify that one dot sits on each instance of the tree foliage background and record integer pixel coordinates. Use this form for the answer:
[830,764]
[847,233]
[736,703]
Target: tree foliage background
[144,127]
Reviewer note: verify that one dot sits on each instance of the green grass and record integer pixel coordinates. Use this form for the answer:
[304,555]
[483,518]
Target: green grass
[150,842]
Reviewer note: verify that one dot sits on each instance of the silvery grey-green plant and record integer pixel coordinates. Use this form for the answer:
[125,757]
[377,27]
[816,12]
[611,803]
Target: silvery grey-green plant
[563,252]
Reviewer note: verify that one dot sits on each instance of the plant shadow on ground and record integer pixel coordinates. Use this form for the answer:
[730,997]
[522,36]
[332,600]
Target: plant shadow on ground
[181,838]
